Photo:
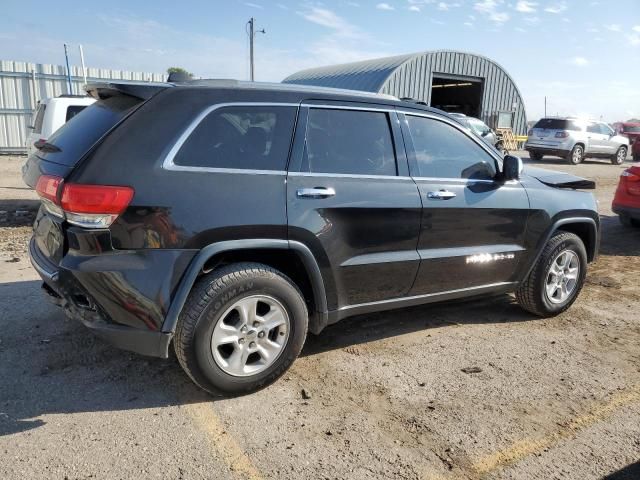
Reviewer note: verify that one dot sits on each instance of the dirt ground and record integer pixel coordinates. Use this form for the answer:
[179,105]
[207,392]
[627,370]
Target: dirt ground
[389,396]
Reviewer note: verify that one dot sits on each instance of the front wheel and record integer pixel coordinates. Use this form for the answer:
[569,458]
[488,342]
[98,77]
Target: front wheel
[557,277]
[620,156]
[577,155]
[241,328]
[627,221]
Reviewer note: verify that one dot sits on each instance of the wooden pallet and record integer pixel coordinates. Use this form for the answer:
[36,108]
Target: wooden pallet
[509,140]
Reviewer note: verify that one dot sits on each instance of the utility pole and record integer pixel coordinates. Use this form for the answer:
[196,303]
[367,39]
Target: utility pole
[66,57]
[545,105]
[84,69]
[252,35]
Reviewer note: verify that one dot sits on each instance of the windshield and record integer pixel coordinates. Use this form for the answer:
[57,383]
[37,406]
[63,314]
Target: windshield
[77,136]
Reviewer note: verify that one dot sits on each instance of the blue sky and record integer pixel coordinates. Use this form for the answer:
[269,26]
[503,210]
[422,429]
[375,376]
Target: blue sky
[583,55]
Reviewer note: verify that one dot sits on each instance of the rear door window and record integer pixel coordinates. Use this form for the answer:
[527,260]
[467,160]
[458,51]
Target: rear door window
[443,151]
[77,136]
[73,110]
[240,137]
[355,142]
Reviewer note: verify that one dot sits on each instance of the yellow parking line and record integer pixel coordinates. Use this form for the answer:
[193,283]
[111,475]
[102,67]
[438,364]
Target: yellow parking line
[222,441]
[523,448]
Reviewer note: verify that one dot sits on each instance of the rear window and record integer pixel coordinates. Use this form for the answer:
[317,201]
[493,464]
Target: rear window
[73,110]
[631,128]
[37,124]
[242,137]
[558,124]
[77,136]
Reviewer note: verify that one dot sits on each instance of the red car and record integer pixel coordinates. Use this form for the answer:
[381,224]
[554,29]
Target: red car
[632,132]
[626,202]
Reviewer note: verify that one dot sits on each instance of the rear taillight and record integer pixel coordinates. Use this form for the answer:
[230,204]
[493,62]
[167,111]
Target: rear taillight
[562,134]
[631,175]
[631,179]
[90,206]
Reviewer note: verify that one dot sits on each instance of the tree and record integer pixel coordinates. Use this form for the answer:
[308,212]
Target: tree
[180,71]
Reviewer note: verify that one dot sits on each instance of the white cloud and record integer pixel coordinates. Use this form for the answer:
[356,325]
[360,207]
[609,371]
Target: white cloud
[384,6]
[526,7]
[254,5]
[613,27]
[489,8]
[443,6]
[636,29]
[414,8]
[468,24]
[328,19]
[634,39]
[580,62]
[556,8]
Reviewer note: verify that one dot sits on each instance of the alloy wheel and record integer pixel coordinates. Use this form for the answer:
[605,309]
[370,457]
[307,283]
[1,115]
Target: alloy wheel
[250,335]
[562,277]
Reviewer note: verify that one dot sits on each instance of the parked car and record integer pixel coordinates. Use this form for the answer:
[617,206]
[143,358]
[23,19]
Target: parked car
[632,132]
[481,129]
[575,140]
[626,202]
[51,114]
[250,214]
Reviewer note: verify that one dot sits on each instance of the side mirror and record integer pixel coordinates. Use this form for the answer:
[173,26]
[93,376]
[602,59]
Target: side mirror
[511,167]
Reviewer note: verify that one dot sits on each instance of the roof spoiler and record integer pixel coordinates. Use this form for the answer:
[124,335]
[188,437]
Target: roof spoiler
[142,90]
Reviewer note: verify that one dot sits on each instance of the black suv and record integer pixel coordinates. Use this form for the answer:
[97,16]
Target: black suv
[234,217]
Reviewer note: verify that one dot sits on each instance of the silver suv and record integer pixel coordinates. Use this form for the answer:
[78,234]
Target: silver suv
[576,139]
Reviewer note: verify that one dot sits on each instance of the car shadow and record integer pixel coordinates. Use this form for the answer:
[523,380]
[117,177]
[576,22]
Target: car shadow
[630,472]
[618,239]
[53,365]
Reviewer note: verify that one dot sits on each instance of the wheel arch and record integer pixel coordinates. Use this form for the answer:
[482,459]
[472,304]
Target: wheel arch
[286,256]
[586,228]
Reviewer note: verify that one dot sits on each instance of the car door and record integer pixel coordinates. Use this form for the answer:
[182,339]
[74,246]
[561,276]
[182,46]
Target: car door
[351,200]
[608,145]
[596,138]
[473,225]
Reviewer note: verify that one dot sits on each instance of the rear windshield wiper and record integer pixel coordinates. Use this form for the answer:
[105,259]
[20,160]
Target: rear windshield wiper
[46,147]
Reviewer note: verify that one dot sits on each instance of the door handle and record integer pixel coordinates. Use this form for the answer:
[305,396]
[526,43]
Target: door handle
[316,192]
[441,195]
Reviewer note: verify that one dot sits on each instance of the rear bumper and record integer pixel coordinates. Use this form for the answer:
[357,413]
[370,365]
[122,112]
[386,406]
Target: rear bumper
[626,211]
[547,150]
[67,288]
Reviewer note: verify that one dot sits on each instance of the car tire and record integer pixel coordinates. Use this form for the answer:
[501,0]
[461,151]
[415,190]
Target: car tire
[627,221]
[540,293]
[620,156]
[576,156]
[220,341]
[636,157]
[536,156]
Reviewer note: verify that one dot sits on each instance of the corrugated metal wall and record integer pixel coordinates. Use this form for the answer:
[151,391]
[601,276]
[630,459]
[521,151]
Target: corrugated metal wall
[411,76]
[22,84]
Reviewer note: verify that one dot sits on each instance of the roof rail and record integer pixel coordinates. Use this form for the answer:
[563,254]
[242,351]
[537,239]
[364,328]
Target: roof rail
[414,100]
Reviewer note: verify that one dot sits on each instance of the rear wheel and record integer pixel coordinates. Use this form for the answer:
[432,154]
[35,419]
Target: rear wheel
[620,156]
[577,155]
[557,277]
[241,328]
[537,156]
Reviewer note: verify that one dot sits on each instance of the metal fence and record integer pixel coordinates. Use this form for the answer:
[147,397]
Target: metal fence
[22,84]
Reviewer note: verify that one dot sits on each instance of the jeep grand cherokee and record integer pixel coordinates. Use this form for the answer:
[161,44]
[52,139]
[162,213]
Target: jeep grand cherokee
[231,218]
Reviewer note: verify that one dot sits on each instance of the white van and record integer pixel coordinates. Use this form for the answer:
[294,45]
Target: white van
[51,114]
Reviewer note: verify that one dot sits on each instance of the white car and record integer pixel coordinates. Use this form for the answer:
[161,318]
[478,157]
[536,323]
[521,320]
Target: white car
[51,114]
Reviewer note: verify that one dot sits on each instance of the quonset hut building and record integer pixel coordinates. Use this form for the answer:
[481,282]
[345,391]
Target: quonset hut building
[449,80]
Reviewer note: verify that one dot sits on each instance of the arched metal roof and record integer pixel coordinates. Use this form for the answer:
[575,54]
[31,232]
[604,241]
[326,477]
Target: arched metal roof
[411,76]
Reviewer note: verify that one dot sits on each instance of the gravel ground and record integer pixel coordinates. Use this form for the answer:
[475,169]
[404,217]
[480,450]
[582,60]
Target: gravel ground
[392,395]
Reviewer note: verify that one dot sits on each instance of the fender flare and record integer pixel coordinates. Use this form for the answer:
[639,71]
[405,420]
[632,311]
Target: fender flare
[556,226]
[317,321]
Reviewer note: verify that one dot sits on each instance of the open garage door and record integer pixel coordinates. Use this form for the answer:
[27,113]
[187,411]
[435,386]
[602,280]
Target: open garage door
[457,94]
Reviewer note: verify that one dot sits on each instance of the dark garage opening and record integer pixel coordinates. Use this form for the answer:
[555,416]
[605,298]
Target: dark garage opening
[457,95]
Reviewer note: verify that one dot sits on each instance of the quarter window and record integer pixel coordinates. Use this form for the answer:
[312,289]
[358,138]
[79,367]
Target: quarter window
[73,110]
[240,137]
[443,151]
[37,124]
[349,142]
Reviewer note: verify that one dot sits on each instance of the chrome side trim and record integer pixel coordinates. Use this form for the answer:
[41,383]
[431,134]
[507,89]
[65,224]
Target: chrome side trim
[168,163]
[424,296]
[347,175]
[349,107]
[454,252]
